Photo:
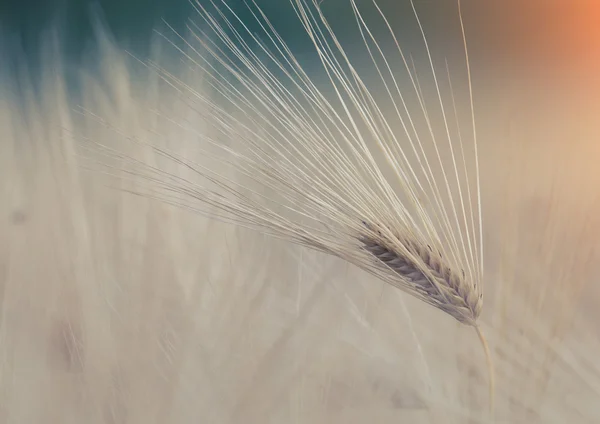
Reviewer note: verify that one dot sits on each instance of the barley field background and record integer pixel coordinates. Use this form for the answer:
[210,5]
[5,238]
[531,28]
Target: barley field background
[116,308]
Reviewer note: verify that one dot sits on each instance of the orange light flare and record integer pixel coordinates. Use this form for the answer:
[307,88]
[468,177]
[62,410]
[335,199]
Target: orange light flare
[561,35]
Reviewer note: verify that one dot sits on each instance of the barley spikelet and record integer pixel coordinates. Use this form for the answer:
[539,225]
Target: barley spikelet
[337,166]
[431,277]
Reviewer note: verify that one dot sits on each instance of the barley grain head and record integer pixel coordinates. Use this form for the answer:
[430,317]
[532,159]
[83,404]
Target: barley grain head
[329,169]
[425,270]
[339,163]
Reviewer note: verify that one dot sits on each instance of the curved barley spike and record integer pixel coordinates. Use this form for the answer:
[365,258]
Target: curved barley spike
[333,171]
[427,273]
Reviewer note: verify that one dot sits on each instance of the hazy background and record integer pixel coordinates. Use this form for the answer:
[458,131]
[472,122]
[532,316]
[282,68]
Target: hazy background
[118,309]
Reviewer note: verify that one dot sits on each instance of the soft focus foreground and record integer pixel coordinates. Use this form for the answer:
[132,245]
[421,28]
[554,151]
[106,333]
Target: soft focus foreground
[119,309]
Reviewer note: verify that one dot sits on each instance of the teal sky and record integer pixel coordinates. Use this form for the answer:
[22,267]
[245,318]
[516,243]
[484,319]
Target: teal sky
[132,21]
[23,24]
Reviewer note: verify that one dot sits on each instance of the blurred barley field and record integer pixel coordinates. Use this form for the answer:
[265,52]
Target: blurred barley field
[116,308]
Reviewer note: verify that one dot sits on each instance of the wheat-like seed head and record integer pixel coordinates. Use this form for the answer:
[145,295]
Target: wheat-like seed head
[325,163]
[424,268]
[349,170]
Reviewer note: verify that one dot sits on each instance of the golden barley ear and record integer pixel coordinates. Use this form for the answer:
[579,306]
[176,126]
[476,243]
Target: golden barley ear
[426,272]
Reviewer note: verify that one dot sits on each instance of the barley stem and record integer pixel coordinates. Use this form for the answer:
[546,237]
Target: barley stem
[488,358]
